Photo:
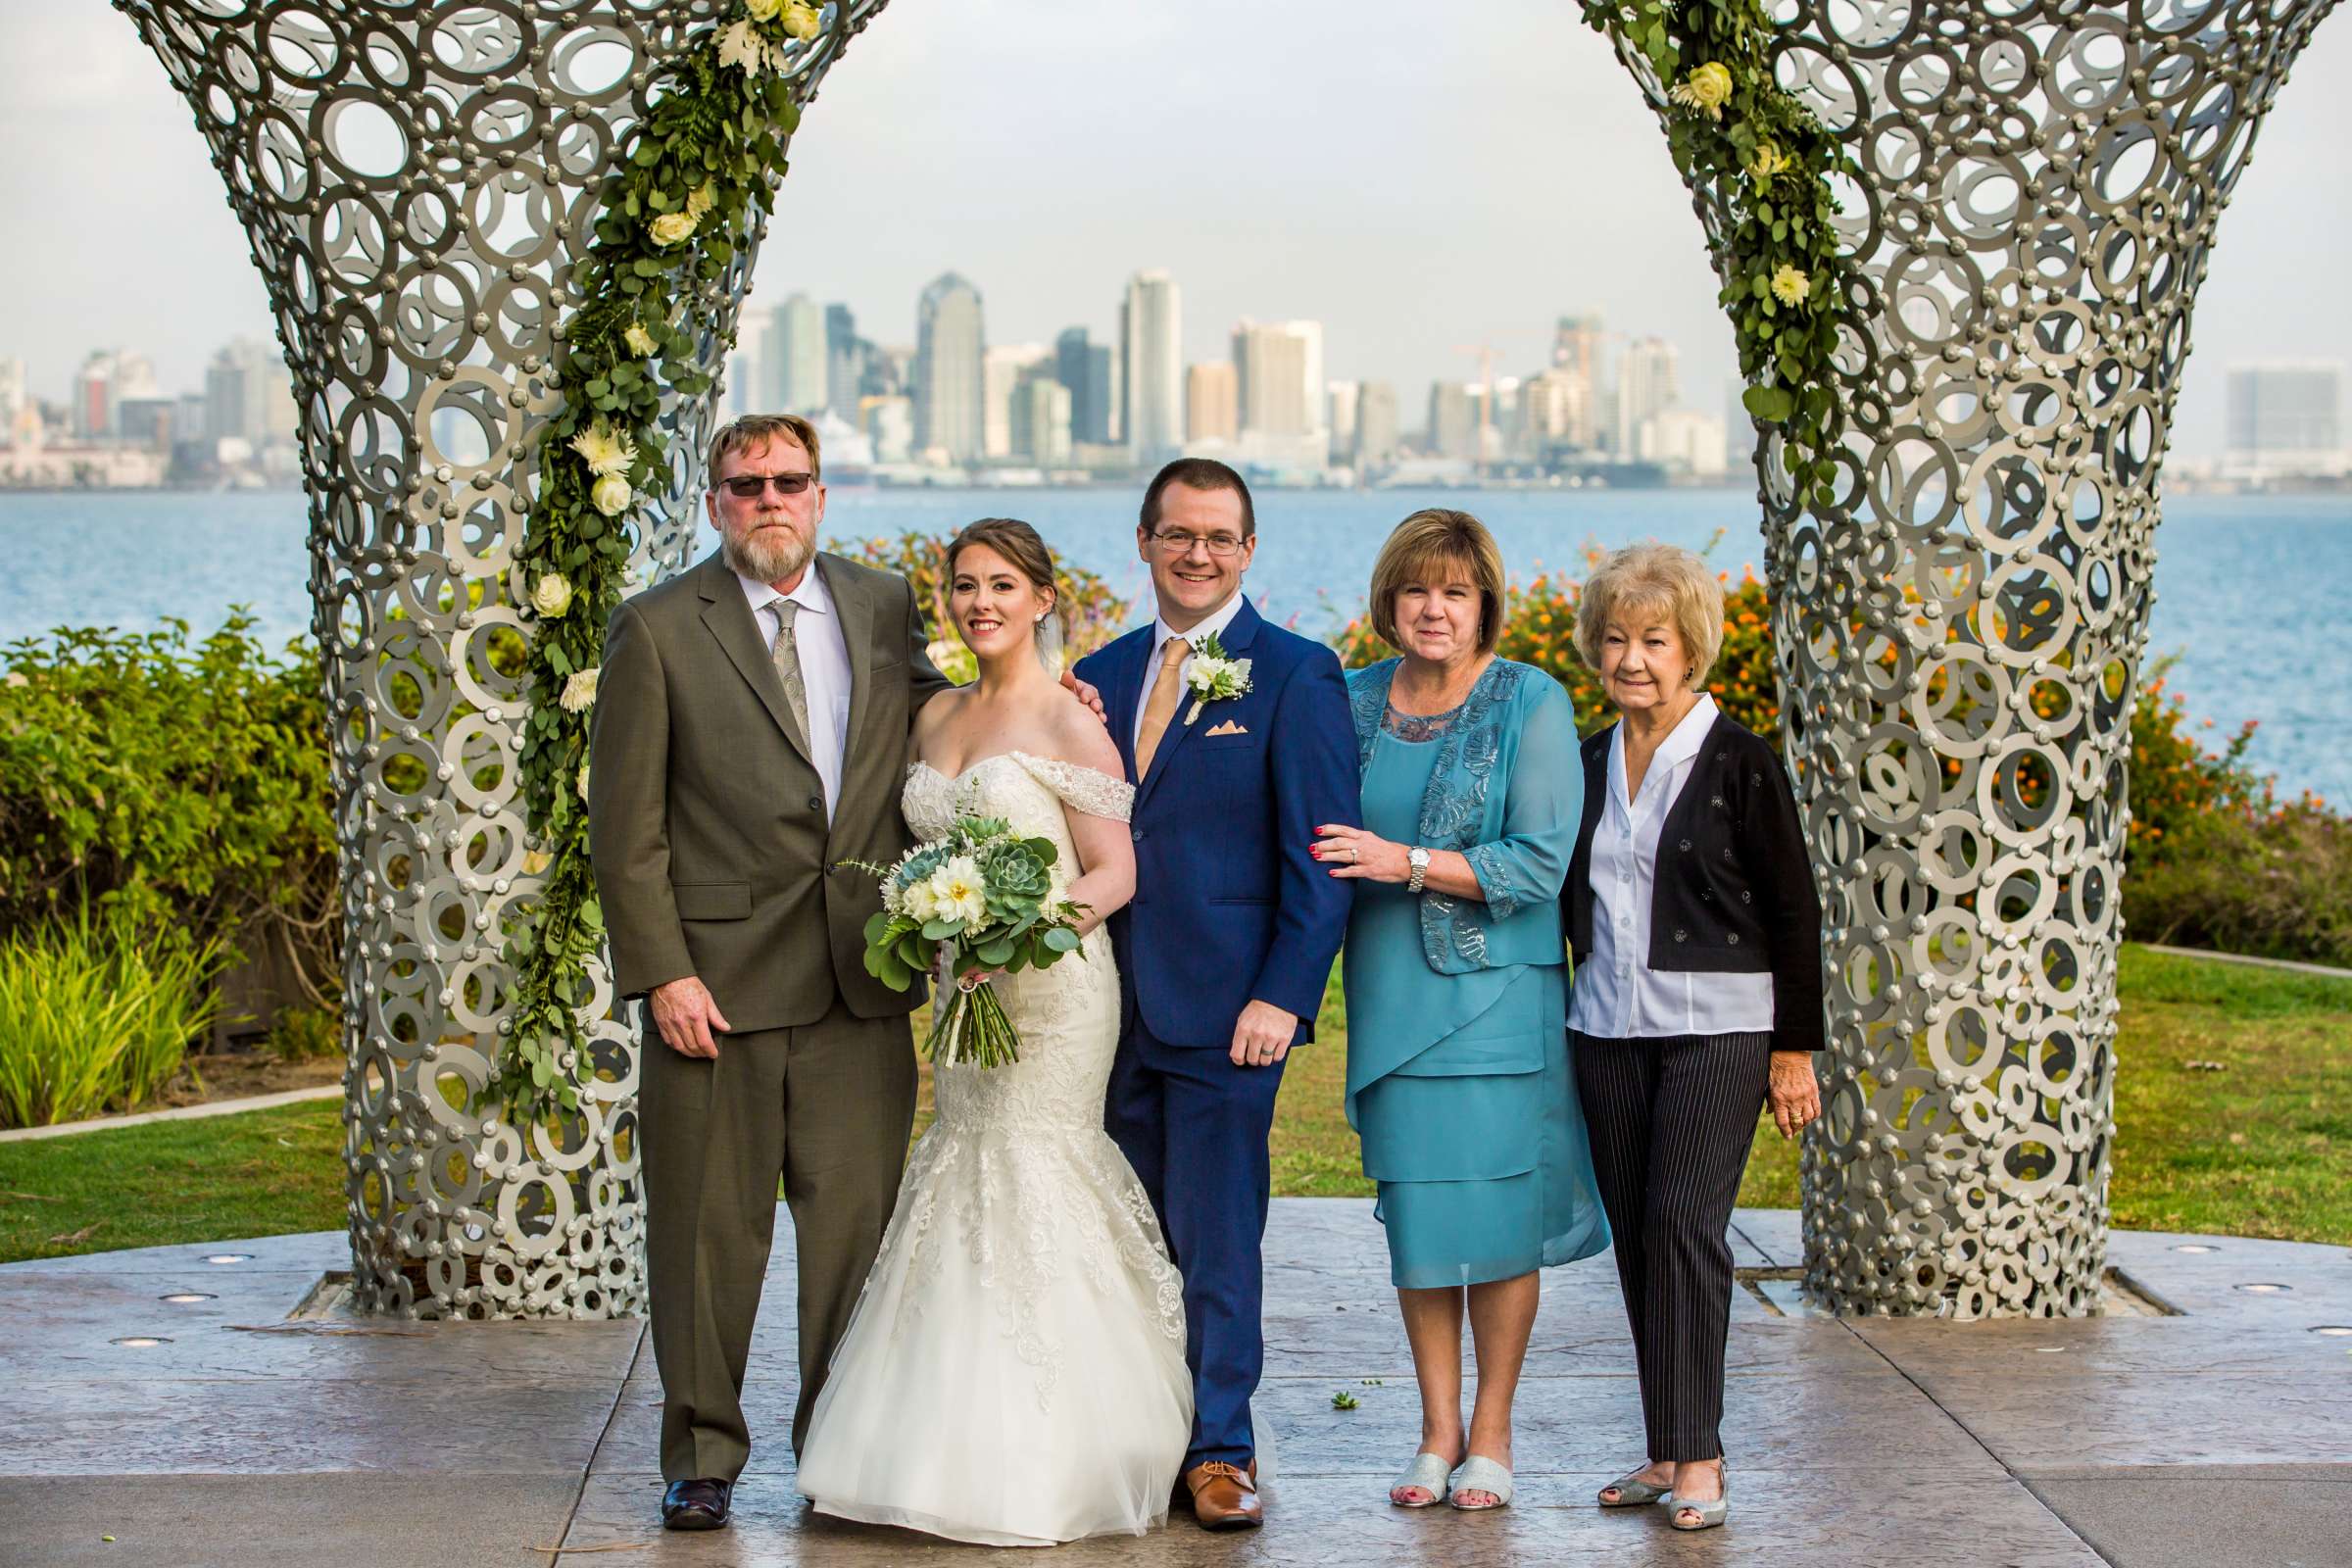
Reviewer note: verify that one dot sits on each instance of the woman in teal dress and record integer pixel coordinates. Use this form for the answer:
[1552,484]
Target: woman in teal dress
[1457,1049]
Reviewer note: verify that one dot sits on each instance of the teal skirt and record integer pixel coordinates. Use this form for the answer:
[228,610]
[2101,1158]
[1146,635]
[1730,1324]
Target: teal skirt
[1477,1146]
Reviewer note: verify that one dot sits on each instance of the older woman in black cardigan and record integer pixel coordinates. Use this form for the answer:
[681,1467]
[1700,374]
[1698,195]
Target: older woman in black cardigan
[1696,931]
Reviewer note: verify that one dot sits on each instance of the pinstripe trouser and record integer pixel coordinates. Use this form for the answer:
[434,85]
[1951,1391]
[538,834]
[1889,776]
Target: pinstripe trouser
[1671,1121]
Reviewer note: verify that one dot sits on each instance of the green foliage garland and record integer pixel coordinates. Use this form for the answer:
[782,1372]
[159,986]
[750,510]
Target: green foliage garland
[672,217]
[1755,150]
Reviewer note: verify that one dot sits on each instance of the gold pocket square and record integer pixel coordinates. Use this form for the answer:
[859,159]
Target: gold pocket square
[1229,727]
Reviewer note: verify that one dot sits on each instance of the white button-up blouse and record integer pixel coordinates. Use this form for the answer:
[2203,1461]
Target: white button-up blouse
[1617,995]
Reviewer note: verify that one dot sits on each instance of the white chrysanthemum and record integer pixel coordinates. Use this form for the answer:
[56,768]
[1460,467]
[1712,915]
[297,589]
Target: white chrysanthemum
[551,595]
[579,692]
[605,450]
[961,891]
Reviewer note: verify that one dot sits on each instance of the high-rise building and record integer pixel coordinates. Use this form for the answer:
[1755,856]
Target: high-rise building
[950,344]
[1085,367]
[2286,413]
[12,392]
[1278,369]
[1338,417]
[1211,405]
[1375,425]
[1646,384]
[1041,421]
[1453,420]
[889,424]
[247,395]
[795,356]
[747,366]
[1002,370]
[1152,354]
[1682,441]
[1576,347]
[1557,414]
[845,359]
[93,413]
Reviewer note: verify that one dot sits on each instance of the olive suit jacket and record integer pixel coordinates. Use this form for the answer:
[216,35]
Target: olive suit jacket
[707,820]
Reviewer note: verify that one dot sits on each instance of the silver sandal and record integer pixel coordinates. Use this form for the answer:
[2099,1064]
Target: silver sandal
[1711,1513]
[1479,1474]
[1428,1471]
[1632,1491]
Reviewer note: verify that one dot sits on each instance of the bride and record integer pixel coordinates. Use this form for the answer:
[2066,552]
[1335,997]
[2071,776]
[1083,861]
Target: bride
[1013,1373]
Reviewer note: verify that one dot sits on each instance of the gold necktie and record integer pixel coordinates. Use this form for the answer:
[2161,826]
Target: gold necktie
[785,653]
[1161,707]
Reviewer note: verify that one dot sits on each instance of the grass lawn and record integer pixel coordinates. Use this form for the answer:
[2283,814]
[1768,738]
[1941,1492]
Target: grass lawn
[2261,1147]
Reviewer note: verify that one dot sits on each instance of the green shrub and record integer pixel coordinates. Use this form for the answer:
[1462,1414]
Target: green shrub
[97,1012]
[303,1033]
[189,779]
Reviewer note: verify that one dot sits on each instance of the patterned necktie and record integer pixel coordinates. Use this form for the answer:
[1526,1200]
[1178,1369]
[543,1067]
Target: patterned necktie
[786,654]
[1161,707]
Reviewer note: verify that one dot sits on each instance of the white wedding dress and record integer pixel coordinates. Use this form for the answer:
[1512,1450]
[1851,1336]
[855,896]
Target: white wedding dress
[1013,1373]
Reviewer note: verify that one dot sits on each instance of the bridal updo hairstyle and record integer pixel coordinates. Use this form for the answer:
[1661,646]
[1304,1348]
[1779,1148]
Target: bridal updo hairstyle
[1018,544]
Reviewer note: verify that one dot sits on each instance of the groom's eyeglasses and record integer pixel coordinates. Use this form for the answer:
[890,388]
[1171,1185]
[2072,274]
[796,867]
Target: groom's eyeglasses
[1176,542]
[747,486]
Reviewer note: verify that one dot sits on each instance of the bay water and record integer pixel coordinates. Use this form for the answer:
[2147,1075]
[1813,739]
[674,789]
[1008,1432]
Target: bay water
[2254,593]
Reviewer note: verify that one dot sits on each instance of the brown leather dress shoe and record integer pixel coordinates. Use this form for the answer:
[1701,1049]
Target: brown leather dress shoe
[1225,1496]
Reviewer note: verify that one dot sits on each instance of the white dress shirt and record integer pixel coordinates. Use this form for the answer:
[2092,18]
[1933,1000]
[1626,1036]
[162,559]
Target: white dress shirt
[824,666]
[1162,632]
[1617,995]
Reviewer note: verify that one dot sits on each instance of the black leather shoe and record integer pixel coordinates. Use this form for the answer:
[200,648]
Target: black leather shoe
[696,1504]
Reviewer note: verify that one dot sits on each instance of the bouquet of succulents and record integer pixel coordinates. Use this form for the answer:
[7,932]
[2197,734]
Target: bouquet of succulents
[966,907]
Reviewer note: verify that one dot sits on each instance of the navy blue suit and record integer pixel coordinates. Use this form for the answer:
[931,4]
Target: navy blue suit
[1229,908]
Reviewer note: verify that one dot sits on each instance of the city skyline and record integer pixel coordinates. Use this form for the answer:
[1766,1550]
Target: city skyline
[1415,200]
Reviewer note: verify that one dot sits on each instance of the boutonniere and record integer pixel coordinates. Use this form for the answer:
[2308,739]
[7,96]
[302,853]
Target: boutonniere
[1213,675]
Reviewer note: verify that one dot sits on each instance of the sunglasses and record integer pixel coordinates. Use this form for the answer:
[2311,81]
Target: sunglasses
[747,486]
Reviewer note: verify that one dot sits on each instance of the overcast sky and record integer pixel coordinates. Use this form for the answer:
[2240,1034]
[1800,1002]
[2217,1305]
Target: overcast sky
[1418,179]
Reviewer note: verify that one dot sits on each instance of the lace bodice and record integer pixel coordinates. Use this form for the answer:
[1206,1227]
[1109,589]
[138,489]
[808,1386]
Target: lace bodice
[1065,1061]
[1015,1187]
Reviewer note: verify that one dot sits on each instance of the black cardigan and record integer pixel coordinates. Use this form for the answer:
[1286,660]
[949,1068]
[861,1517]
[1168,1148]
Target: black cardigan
[1734,887]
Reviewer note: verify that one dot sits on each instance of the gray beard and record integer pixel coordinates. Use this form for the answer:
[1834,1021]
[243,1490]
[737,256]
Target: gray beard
[761,563]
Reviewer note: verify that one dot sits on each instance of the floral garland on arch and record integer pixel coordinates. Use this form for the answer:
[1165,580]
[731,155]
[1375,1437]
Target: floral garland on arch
[671,218]
[1737,136]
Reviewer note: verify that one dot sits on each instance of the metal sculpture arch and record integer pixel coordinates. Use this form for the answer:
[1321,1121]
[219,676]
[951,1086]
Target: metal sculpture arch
[416,181]
[1959,632]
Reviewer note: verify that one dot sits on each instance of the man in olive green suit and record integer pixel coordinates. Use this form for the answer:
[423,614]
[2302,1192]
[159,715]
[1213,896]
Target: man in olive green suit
[749,737]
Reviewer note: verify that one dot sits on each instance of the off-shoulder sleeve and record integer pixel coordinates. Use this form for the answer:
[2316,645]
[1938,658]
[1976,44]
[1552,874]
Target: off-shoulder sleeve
[1083,789]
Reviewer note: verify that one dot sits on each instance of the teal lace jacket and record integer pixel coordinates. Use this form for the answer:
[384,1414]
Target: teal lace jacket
[1507,792]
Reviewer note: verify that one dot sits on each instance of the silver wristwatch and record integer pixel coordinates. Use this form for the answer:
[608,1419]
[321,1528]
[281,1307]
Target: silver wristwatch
[1419,858]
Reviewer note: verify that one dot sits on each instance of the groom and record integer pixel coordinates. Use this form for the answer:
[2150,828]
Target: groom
[1230,939]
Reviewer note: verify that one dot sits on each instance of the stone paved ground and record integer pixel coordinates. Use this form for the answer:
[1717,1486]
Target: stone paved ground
[2219,1436]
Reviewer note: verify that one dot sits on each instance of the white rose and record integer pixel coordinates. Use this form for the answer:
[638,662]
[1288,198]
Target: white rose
[672,227]
[579,692]
[639,340]
[551,596]
[764,10]
[803,22]
[917,901]
[611,495]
